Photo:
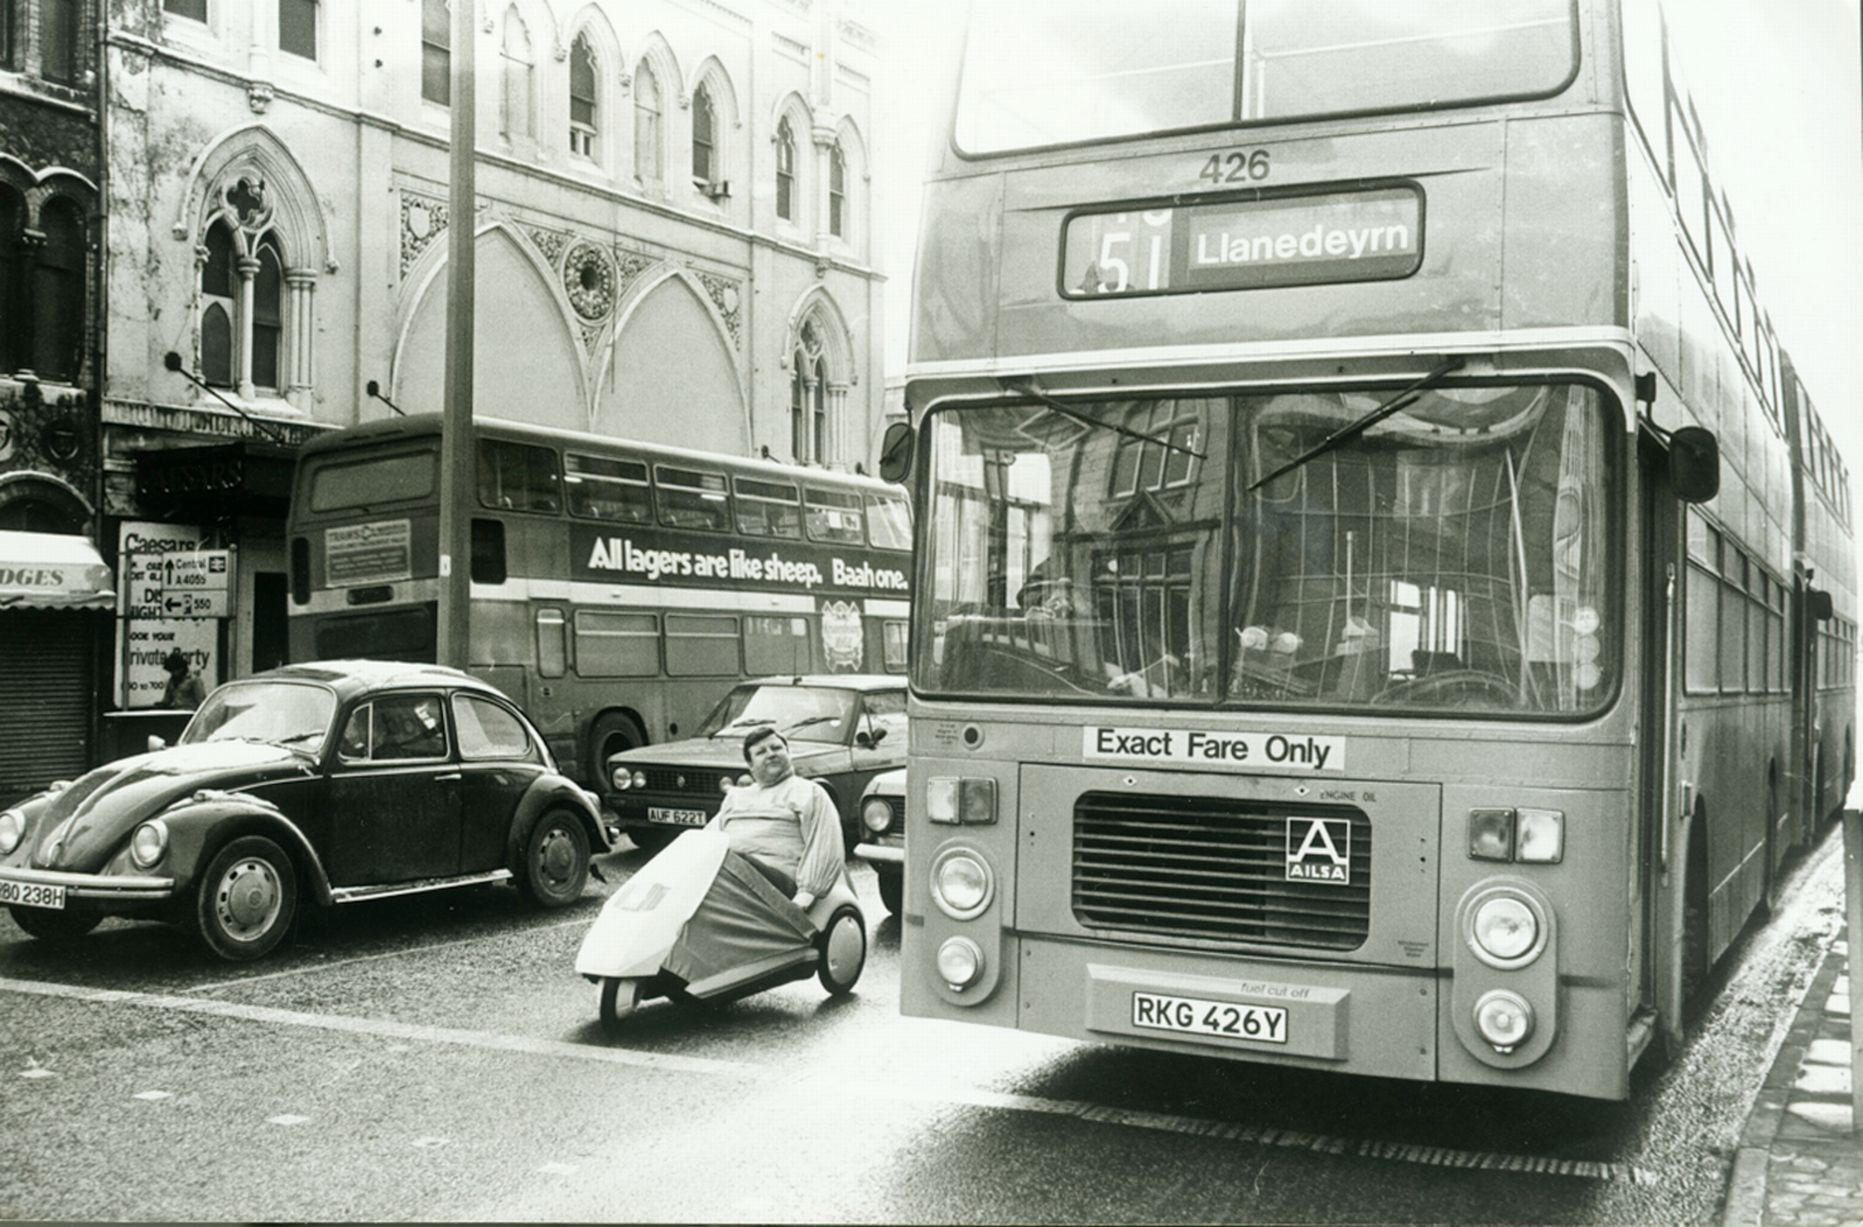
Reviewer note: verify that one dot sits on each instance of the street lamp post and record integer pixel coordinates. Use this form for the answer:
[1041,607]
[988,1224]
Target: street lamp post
[456,462]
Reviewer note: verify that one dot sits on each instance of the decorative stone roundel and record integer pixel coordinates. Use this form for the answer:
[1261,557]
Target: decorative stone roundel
[590,280]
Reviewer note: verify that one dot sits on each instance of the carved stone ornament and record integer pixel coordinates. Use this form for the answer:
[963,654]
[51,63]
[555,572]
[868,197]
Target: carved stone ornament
[590,280]
[422,221]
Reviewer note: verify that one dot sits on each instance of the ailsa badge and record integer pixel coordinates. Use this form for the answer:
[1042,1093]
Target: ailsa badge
[1319,850]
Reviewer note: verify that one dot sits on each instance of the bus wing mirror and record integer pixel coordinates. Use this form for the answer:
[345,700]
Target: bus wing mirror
[1694,464]
[896,449]
[1821,606]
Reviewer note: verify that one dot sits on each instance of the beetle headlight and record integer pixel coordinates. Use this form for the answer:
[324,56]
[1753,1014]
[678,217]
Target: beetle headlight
[148,844]
[1506,931]
[961,883]
[12,830]
[876,815]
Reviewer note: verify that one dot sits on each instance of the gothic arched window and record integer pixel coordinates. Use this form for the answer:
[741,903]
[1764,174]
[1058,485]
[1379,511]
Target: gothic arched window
[15,284]
[584,113]
[58,293]
[268,316]
[648,118]
[704,136]
[436,51]
[837,192]
[515,114]
[218,283]
[785,170]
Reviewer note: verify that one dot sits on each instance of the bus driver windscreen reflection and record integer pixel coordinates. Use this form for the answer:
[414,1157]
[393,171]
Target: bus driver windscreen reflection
[1449,557]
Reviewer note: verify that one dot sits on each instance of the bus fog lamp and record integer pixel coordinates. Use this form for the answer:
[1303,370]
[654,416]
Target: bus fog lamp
[960,962]
[876,815]
[1491,834]
[961,884]
[1506,929]
[1539,836]
[1504,1019]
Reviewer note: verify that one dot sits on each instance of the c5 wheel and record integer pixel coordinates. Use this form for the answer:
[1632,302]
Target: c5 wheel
[843,946]
[246,899]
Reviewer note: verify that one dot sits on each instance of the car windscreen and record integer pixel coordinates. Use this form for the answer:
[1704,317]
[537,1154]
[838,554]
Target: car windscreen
[294,714]
[800,713]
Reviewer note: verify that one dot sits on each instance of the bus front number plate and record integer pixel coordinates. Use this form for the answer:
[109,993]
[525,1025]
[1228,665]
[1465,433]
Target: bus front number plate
[1260,1024]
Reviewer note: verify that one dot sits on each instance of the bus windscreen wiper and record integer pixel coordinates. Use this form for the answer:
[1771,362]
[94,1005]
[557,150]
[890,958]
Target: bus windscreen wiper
[1351,430]
[1075,415]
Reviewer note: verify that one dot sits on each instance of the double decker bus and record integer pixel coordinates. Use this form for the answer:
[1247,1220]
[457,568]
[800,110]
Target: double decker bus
[618,589]
[1385,600]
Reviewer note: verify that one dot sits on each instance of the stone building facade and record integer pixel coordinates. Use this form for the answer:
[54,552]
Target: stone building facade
[674,243]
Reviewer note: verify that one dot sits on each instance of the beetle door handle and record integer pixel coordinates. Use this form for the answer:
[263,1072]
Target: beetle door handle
[441,779]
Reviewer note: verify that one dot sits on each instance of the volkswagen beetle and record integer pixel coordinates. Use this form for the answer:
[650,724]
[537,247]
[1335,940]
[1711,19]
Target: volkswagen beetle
[310,785]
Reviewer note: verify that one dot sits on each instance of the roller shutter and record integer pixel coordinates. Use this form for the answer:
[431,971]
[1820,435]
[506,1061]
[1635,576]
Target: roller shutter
[45,698]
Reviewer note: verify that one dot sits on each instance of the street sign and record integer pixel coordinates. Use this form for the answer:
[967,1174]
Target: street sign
[192,584]
[174,593]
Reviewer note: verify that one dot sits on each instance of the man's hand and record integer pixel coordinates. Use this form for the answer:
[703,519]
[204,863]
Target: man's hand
[804,899]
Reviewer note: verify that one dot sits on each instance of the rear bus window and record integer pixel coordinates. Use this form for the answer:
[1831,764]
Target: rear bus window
[373,482]
[690,498]
[767,509]
[518,477]
[611,490]
[833,516]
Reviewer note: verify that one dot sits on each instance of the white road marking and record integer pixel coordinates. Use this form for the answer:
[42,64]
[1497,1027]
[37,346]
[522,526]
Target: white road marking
[287,1119]
[37,1073]
[557,1169]
[308,968]
[428,1143]
[940,1092]
[152,1096]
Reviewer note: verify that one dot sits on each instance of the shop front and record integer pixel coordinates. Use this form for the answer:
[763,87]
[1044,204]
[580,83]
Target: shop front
[56,592]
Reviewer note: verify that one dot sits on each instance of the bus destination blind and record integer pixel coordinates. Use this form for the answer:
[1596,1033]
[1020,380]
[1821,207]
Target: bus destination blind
[1369,235]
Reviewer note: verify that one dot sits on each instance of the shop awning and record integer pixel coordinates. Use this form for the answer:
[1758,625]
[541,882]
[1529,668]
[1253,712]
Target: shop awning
[53,571]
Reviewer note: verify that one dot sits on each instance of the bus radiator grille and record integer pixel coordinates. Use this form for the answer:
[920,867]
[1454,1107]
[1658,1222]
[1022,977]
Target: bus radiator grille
[1215,870]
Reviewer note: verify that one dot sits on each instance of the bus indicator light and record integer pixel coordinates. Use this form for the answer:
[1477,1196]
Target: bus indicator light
[1540,836]
[1491,834]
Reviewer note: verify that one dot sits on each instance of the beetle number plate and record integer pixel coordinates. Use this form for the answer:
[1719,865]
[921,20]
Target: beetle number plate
[1260,1024]
[32,894]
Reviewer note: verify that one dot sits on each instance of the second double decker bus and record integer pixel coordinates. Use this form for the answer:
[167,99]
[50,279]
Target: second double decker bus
[1385,600]
[618,590]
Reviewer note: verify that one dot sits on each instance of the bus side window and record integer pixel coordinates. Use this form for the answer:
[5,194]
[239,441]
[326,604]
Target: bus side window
[833,516]
[488,551]
[689,498]
[701,645]
[604,489]
[894,645]
[612,643]
[552,643]
[889,524]
[767,509]
[518,477]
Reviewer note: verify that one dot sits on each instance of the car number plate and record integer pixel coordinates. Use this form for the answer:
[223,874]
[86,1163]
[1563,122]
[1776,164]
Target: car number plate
[676,817]
[1261,1024]
[32,894]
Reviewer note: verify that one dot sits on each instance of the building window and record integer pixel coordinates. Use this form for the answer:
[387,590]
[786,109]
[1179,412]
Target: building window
[582,108]
[808,398]
[58,40]
[217,307]
[785,170]
[704,137]
[250,340]
[647,119]
[267,315]
[837,192]
[196,9]
[297,27]
[519,79]
[9,37]
[436,55]
[42,288]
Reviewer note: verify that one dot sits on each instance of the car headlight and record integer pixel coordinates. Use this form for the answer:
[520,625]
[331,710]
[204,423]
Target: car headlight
[876,815]
[12,830]
[726,783]
[960,962]
[1506,930]
[149,843]
[621,779]
[961,883]
[640,779]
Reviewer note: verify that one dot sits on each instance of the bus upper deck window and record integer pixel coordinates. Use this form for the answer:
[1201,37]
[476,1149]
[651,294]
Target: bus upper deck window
[690,498]
[833,516]
[603,489]
[889,523]
[518,477]
[767,509]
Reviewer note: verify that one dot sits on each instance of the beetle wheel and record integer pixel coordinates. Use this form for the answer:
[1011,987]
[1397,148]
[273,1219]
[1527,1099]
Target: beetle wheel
[247,898]
[556,861]
[843,947]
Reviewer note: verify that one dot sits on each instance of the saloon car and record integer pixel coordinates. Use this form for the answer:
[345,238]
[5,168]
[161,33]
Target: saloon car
[842,728]
[313,785]
[883,835]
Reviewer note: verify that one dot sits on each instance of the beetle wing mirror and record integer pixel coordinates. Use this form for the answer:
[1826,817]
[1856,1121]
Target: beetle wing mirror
[1694,464]
[156,743]
[896,448]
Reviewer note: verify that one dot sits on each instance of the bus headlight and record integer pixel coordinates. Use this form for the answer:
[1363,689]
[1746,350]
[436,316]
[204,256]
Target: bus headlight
[148,844]
[960,962]
[1506,931]
[12,828]
[876,815]
[961,883]
[1504,1019]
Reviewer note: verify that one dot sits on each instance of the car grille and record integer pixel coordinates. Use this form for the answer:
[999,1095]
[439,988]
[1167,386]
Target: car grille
[1212,868]
[699,781]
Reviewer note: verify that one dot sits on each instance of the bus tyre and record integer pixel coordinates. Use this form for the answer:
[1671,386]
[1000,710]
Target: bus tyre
[843,947]
[892,883]
[247,899]
[556,861]
[50,926]
[609,736]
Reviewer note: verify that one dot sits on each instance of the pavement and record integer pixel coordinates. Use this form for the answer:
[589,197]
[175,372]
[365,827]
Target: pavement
[1800,1161]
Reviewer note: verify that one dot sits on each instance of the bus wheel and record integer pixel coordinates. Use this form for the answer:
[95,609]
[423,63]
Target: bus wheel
[609,736]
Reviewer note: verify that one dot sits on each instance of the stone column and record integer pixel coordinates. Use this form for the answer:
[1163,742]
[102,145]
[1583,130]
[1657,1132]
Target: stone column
[248,269]
[301,287]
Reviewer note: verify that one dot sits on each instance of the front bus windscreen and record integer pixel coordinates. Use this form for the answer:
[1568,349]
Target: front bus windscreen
[1455,556]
